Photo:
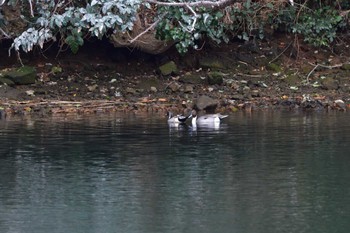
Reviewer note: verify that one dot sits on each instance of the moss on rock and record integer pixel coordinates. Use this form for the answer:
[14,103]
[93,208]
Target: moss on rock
[168,68]
[215,78]
[22,76]
[274,67]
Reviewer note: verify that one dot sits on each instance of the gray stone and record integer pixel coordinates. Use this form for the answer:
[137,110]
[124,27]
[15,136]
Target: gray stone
[255,93]
[193,79]
[205,103]
[153,89]
[10,92]
[40,91]
[173,86]
[92,87]
[22,76]
[168,68]
[330,83]
[188,89]
[237,97]
[130,90]
[30,92]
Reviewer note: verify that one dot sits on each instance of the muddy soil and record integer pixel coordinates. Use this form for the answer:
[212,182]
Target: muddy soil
[262,75]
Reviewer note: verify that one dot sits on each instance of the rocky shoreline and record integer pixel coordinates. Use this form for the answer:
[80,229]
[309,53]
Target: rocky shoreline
[231,78]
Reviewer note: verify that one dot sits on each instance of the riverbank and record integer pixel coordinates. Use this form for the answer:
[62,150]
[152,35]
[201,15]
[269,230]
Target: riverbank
[238,76]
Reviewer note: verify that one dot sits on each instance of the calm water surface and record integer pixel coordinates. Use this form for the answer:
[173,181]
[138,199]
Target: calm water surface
[258,173]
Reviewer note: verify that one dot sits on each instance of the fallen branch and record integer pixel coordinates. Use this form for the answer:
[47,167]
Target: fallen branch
[250,75]
[327,67]
[323,66]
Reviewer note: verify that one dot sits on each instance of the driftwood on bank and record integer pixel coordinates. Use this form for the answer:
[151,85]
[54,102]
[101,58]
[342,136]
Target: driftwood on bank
[73,107]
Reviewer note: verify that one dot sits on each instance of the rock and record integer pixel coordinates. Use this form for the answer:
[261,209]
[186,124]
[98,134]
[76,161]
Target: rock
[206,103]
[188,88]
[153,89]
[340,104]
[147,83]
[330,83]
[174,86]
[40,91]
[130,90]
[22,76]
[92,87]
[274,67]
[10,92]
[6,81]
[345,88]
[215,78]
[237,97]
[255,93]
[211,63]
[30,92]
[56,70]
[345,67]
[117,93]
[193,79]
[292,80]
[168,68]
[308,102]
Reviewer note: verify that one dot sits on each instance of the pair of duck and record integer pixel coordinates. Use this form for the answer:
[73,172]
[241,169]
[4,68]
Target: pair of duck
[201,120]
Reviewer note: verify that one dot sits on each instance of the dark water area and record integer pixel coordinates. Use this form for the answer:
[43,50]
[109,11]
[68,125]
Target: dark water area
[260,172]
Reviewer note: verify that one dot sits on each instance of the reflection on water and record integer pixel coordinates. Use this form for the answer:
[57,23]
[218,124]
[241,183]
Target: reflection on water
[264,172]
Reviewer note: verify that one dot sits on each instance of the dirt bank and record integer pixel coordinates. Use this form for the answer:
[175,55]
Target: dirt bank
[239,76]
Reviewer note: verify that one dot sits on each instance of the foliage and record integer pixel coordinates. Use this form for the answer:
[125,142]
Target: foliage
[319,27]
[72,21]
[248,21]
[185,28]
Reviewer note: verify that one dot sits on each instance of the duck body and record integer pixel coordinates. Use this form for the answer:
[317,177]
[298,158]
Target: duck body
[176,118]
[207,119]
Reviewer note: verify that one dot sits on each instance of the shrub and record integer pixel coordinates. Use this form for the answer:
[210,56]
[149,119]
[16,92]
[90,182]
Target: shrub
[319,27]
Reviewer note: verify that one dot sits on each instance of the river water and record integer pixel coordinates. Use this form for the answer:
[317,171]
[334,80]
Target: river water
[263,172]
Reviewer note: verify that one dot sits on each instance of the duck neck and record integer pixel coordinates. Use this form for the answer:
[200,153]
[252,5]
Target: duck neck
[194,120]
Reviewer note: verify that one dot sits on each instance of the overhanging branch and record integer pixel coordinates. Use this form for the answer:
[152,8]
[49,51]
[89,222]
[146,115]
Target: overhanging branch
[205,4]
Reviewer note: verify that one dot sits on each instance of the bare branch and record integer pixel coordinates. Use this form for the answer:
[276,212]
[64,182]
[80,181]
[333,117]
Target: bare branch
[148,29]
[204,3]
[31,8]
[4,33]
[195,17]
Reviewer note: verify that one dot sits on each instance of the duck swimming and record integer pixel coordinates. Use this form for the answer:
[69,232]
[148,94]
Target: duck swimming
[207,119]
[177,118]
